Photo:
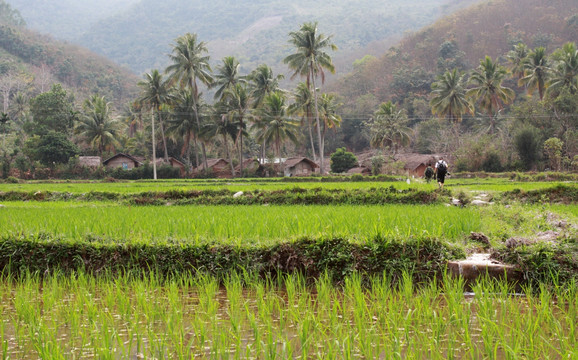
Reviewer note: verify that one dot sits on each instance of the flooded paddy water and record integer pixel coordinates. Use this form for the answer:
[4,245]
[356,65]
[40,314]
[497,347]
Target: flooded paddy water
[82,317]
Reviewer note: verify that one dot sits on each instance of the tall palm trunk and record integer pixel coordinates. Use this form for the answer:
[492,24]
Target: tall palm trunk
[229,156]
[166,157]
[154,145]
[308,114]
[241,147]
[321,149]
[193,86]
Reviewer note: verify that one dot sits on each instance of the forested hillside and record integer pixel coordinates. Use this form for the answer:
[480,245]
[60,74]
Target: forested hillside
[31,62]
[253,31]
[459,40]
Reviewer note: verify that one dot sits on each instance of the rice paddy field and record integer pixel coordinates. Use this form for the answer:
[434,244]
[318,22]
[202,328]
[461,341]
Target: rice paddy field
[63,313]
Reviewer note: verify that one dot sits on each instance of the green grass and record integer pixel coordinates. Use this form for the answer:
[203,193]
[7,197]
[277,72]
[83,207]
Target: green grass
[246,225]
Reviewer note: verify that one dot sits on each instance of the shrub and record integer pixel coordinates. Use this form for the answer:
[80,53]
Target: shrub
[342,160]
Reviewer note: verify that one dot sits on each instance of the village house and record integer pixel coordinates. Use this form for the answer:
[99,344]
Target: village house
[120,160]
[173,163]
[299,166]
[218,167]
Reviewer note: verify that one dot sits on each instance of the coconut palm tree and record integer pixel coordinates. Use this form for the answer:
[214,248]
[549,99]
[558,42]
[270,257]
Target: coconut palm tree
[97,125]
[227,76]
[536,71]
[516,59]
[155,92]
[262,82]
[565,72]
[448,97]
[388,127]
[488,90]
[309,61]
[276,126]
[190,64]
[328,106]
[238,100]
[181,124]
[303,107]
[220,125]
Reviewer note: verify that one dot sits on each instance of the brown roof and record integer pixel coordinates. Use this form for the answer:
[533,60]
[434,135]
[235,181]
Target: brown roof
[291,162]
[247,163]
[172,161]
[211,163]
[89,161]
[122,155]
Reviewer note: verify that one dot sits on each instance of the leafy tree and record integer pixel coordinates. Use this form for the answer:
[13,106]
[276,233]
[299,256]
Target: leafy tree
[342,160]
[96,124]
[50,148]
[52,111]
[553,150]
[388,127]
[527,142]
[190,64]
[450,57]
[488,90]
[310,60]
[536,71]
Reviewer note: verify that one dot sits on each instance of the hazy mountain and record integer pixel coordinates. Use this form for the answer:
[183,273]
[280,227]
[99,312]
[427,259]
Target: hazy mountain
[67,19]
[31,62]
[255,31]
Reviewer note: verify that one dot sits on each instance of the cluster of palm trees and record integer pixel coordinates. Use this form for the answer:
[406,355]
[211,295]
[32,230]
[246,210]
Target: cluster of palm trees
[244,105]
[534,70]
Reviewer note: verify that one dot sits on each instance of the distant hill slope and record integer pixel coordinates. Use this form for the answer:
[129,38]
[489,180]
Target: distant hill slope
[489,28]
[39,60]
[254,31]
[67,19]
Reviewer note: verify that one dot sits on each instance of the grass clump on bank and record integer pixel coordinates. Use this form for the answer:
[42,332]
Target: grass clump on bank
[310,257]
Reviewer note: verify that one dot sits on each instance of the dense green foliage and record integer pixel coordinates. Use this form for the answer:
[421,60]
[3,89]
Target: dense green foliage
[342,160]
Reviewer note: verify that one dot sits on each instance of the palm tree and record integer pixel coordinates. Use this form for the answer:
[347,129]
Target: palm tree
[448,97]
[220,124]
[262,83]
[227,76]
[328,106]
[302,106]
[188,65]
[276,126]
[237,99]
[96,124]
[488,90]
[566,69]
[388,127]
[181,123]
[309,61]
[536,71]
[516,59]
[156,92]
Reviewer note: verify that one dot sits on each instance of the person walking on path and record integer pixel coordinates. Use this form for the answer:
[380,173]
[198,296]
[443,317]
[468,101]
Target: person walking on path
[429,173]
[441,169]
